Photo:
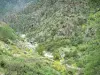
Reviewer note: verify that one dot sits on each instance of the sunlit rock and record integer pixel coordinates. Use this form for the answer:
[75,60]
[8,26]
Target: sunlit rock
[48,54]
[16,55]
[22,35]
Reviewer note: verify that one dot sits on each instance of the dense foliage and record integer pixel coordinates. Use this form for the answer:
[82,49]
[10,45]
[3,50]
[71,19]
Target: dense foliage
[93,62]
[7,33]
[66,30]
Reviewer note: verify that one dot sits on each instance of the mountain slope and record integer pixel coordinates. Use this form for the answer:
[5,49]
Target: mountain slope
[50,18]
[66,31]
[55,26]
[18,59]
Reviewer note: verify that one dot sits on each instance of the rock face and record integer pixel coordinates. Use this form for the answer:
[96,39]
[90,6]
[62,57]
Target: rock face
[48,54]
[23,36]
[26,44]
[2,24]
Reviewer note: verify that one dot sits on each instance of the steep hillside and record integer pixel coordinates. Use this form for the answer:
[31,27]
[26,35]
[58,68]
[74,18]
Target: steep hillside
[17,58]
[50,18]
[66,33]
[55,26]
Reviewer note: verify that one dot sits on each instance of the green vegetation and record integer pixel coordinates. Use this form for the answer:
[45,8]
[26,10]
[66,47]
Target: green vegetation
[93,60]
[6,33]
[66,34]
[14,61]
[21,66]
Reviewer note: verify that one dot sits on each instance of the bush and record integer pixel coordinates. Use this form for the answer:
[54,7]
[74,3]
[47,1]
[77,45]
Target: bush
[52,46]
[59,67]
[6,33]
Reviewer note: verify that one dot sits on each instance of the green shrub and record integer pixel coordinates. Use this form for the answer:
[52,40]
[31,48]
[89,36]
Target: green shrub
[6,33]
[59,67]
[56,55]
[40,49]
[52,45]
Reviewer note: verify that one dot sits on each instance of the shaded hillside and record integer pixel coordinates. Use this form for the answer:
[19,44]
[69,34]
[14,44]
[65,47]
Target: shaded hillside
[12,6]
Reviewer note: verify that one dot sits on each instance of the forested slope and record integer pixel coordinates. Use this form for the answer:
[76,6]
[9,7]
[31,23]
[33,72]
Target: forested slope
[17,58]
[67,33]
